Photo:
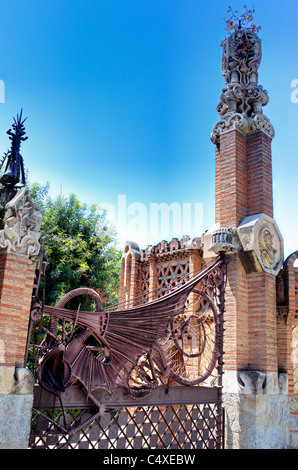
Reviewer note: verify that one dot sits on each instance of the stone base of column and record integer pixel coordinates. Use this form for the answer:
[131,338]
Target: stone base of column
[257,411]
[294,422]
[16,400]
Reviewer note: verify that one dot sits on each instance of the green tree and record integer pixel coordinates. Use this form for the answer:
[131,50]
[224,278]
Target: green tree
[81,249]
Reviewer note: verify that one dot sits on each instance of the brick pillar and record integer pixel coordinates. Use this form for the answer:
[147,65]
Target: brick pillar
[243,177]
[244,202]
[16,284]
[254,249]
[243,189]
[230,189]
[259,174]
[129,281]
[152,277]
[19,252]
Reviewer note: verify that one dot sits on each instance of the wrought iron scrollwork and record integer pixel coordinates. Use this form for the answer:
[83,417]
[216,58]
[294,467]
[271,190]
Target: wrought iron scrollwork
[175,338]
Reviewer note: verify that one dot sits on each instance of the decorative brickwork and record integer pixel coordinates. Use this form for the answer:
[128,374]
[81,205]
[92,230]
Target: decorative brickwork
[150,273]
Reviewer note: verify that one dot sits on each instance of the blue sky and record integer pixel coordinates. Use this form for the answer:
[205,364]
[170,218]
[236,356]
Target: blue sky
[121,99]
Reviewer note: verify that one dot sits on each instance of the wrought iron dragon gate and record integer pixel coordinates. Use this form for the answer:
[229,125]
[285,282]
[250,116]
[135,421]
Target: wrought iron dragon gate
[143,377]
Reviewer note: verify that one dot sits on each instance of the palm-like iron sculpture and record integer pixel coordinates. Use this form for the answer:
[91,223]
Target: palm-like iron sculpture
[14,170]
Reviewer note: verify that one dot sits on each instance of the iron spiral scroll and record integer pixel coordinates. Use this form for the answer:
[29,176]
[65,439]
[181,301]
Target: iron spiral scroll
[175,339]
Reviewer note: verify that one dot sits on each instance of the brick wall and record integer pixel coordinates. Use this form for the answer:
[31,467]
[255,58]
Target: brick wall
[150,266]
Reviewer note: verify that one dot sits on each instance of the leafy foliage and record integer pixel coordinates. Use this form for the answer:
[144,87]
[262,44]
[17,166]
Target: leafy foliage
[80,247]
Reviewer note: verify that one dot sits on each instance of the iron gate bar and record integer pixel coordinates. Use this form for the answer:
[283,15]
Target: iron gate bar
[161,428]
[161,396]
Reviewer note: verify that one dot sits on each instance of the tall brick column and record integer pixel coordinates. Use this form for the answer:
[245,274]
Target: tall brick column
[19,251]
[254,248]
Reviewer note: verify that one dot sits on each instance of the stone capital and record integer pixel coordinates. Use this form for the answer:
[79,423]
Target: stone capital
[246,124]
[220,239]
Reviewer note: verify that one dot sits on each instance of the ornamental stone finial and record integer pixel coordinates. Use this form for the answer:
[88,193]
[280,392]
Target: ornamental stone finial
[22,224]
[241,57]
[242,99]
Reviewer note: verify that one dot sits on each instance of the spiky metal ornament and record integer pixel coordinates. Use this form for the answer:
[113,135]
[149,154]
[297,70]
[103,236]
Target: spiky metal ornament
[243,21]
[14,171]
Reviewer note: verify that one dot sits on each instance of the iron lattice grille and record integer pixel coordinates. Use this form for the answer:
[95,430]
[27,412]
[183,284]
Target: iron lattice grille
[142,426]
[171,275]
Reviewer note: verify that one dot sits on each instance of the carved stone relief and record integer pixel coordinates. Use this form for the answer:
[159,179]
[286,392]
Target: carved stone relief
[242,52]
[21,231]
[262,244]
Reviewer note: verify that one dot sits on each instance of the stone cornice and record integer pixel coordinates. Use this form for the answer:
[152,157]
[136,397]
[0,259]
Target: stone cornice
[247,125]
